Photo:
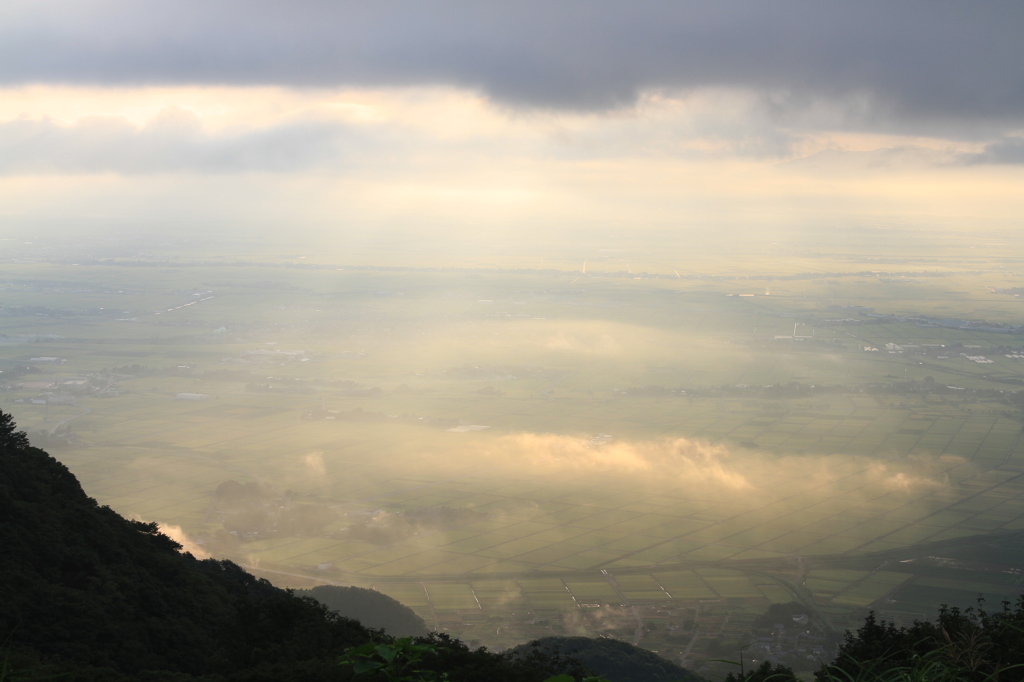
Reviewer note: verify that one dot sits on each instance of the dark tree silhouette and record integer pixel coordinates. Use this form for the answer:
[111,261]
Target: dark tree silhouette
[9,438]
[764,673]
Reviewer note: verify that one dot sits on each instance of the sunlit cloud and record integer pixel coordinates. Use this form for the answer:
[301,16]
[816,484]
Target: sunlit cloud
[187,545]
[314,464]
[691,463]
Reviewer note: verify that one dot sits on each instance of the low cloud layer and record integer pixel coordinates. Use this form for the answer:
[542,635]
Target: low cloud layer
[314,464]
[691,463]
[1006,151]
[715,469]
[174,141]
[415,134]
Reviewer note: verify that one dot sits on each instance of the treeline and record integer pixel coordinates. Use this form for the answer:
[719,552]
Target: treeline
[969,645]
[12,372]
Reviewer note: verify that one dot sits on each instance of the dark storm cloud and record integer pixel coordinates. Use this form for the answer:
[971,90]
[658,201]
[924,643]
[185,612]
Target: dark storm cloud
[950,63]
[1009,151]
[173,142]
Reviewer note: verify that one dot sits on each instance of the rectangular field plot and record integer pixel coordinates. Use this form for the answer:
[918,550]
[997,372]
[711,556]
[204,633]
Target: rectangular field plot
[547,594]
[871,588]
[551,600]
[451,596]
[927,598]
[776,594]
[597,590]
[548,555]
[500,594]
[828,588]
[512,549]
[845,576]
[646,596]
[832,545]
[588,559]
[732,586]
[295,552]
[410,594]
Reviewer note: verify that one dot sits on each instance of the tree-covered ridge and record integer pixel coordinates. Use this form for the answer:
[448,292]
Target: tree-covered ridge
[615,660]
[10,437]
[371,608]
[80,583]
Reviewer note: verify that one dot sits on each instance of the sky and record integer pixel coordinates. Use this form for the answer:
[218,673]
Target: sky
[457,119]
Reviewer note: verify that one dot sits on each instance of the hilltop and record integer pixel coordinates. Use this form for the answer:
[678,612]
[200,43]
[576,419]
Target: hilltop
[369,607]
[616,660]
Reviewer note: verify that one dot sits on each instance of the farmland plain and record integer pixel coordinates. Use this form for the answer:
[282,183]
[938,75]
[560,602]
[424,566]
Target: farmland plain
[649,446]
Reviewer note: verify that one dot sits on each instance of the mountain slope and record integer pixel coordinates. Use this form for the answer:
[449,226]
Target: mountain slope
[80,582]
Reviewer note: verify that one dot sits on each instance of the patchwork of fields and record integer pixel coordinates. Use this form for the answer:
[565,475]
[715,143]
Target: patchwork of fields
[661,460]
